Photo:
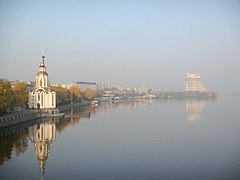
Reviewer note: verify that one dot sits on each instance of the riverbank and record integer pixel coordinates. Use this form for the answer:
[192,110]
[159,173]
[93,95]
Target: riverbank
[70,107]
[19,117]
[33,114]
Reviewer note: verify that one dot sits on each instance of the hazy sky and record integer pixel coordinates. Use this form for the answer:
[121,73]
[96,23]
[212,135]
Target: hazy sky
[140,43]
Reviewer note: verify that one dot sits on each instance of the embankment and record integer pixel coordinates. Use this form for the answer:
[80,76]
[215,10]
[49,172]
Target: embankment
[19,117]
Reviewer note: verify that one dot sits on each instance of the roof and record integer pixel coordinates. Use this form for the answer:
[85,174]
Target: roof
[42,72]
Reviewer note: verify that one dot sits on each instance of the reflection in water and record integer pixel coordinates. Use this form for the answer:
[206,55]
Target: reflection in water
[42,132]
[42,135]
[135,103]
[194,108]
[149,142]
[17,141]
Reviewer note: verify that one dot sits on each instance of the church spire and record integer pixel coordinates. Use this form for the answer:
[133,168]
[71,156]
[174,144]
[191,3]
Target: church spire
[43,58]
[42,66]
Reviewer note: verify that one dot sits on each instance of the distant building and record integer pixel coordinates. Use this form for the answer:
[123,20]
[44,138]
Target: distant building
[60,85]
[42,97]
[83,86]
[103,86]
[30,85]
[193,83]
[140,90]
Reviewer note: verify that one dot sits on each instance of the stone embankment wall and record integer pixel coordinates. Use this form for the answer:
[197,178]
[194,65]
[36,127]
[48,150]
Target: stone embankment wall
[68,107]
[20,117]
[28,115]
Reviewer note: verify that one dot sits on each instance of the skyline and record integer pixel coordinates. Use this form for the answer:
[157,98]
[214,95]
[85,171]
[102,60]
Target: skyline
[130,43]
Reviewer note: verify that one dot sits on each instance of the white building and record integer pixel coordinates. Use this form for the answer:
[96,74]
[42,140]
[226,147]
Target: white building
[42,97]
[193,82]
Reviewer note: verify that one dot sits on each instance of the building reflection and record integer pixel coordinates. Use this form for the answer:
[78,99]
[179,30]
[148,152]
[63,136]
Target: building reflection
[194,108]
[43,132]
[42,135]
[135,103]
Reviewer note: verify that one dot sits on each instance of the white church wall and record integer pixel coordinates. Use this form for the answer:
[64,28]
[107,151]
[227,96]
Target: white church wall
[42,96]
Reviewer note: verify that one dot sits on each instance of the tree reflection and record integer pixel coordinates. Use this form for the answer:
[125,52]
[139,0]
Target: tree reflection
[17,141]
[42,133]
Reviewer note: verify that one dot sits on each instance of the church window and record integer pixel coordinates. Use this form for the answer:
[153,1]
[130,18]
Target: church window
[38,96]
[41,82]
[45,81]
[52,99]
[42,100]
[42,132]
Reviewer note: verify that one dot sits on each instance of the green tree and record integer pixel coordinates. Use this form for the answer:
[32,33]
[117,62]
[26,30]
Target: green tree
[6,96]
[21,94]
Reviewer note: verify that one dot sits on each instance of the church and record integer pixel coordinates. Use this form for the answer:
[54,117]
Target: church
[42,97]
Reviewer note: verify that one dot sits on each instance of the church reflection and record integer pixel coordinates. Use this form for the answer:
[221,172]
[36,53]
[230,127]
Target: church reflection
[42,135]
[193,109]
[43,132]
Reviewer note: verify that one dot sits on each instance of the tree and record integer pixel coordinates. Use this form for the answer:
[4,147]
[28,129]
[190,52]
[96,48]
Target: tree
[21,94]
[75,93]
[62,95]
[6,96]
[89,94]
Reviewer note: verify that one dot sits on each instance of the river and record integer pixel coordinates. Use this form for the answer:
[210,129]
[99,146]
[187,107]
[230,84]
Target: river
[142,139]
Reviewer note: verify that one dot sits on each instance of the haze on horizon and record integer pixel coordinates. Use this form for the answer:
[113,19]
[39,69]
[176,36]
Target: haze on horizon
[130,43]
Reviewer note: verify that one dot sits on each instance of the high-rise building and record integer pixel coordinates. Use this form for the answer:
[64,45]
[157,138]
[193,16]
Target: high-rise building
[42,96]
[193,82]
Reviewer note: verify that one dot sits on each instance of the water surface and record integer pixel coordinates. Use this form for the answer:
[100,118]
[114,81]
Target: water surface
[144,139]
